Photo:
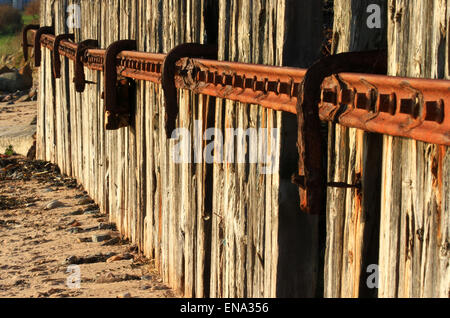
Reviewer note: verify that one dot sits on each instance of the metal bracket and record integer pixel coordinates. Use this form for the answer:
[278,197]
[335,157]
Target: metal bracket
[189,50]
[116,95]
[25,44]
[79,79]
[37,43]
[311,177]
[55,53]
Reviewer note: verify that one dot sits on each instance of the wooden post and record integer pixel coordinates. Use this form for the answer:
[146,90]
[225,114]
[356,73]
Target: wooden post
[353,217]
[414,240]
[173,196]
[262,246]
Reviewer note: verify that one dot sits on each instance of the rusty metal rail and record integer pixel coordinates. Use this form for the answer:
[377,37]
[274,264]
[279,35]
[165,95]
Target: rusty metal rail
[406,107]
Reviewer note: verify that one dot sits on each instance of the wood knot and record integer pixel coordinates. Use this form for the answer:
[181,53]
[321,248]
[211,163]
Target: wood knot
[350,257]
[419,234]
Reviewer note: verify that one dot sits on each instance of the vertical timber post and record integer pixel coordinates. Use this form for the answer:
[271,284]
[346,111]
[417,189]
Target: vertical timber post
[353,216]
[262,245]
[414,241]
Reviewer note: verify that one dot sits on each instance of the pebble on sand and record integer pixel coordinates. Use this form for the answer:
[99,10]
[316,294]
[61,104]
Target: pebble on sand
[75,230]
[119,257]
[106,226]
[77,212]
[113,241]
[85,201]
[84,239]
[100,237]
[71,260]
[53,205]
[92,212]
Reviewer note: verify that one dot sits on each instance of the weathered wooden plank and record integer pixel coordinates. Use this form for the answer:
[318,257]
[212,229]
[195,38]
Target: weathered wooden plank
[50,141]
[40,129]
[60,102]
[140,138]
[74,111]
[245,237]
[102,180]
[187,211]
[115,141]
[353,215]
[171,222]
[95,18]
[217,239]
[414,237]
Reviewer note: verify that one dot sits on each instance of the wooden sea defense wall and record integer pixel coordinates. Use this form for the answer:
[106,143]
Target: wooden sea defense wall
[212,229]
[230,228]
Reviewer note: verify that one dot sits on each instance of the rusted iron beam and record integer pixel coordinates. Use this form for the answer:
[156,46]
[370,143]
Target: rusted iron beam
[185,50]
[55,53]
[68,49]
[269,86]
[116,94]
[41,32]
[140,65]
[79,79]
[94,59]
[405,107]
[312,177]
[48,39]
[25,44]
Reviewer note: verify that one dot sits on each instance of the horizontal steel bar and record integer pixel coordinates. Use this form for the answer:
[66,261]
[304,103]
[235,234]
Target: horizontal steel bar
[269,86]
[407,107]
[68,49]
[140,65]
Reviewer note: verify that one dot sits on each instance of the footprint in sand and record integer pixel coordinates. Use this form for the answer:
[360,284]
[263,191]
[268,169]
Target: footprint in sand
[38,269]
[21,282]
[15,267]
[54,281]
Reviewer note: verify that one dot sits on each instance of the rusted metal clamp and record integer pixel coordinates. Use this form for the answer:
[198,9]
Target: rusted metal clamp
[311,177]
[79,79]
[189,50]
[37,43]
[25,44]
[55,53]
[117,92]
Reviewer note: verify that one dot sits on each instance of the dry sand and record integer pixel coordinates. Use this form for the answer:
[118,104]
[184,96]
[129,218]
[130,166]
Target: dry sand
[38,242]
[17,114]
